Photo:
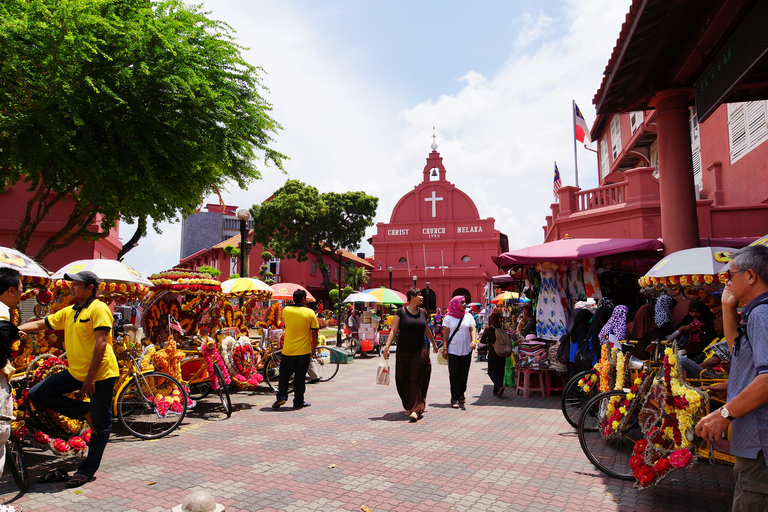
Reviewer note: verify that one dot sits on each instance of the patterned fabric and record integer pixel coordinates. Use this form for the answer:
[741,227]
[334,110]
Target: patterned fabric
[454,307]
[551,319]
[616,325]
[576,280]
[591,283]
[663,312]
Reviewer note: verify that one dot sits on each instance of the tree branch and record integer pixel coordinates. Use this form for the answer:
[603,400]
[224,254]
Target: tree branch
[141,229]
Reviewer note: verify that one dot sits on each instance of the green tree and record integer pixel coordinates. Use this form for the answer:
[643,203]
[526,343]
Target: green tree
[124,110]
[299,222]
[213,272]
[356,276]
[264,272]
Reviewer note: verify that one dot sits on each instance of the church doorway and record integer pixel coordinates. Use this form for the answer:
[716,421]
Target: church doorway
[464,292]
[430,299]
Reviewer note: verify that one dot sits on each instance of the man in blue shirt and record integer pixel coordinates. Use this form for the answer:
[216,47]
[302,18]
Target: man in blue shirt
[747,405]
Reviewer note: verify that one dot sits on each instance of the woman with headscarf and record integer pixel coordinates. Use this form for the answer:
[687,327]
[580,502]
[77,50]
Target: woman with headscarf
[663,317]
[413,367]
[576,337]
[615,329]
[495,362]
[589,347]
[642,329]
[459,340]
[698,328]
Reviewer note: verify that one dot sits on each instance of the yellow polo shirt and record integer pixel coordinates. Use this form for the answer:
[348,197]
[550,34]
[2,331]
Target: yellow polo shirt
[299,322]
[80,338]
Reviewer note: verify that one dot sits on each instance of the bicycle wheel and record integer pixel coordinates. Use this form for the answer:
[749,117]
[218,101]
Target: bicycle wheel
[142,414]
[14,461]
[199,390]
[223,392]
[326,366]
[574,398]
[353,345]
[272,372]
[609,456]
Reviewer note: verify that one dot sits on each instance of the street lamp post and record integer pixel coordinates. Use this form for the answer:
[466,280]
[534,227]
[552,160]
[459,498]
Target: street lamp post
[390,277]
[414,281]
[338,315]
[244,215]
[429,305]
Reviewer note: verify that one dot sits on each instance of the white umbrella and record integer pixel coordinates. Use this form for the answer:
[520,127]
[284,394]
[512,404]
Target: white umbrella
[246,286]
[361,297]
[109,271]
[11,258]
[699,260]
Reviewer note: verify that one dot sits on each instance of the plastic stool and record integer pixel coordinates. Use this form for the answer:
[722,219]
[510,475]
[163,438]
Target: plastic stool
[559,382]
[524,382]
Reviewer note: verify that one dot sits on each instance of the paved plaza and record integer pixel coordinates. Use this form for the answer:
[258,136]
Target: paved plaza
[355,449]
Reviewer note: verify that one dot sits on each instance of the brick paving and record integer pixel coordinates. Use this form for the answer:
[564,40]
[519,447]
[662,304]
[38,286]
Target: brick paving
[355,447]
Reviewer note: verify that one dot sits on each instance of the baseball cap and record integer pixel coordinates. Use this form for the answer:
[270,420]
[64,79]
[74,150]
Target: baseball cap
[84,276]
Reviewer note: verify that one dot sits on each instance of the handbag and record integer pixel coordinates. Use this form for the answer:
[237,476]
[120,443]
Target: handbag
[382,373]
[503,345]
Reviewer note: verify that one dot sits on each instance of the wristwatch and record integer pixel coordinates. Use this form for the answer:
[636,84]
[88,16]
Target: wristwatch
[725,414]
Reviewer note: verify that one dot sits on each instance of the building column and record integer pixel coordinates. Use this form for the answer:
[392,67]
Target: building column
[679,220]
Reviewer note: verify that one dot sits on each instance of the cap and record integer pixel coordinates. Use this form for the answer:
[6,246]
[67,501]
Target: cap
[84,276]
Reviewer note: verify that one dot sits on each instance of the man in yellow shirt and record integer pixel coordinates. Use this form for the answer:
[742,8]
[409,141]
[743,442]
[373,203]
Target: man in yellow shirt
[301,330]
[92,372]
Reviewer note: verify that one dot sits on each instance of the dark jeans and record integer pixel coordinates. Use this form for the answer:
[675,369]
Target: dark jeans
[412,373]
[496,371]
[50,395]
[458,373]
[296,366]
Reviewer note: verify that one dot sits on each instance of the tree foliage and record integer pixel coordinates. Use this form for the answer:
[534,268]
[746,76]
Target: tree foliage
[127,109]
[299,222]
[356,276]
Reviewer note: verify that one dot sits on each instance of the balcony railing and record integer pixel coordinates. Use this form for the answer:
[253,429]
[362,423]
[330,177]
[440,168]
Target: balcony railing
[600,197]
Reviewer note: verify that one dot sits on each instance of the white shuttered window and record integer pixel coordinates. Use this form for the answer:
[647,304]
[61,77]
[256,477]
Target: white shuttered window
[693,125]
[616,136]
[747,127]
[605,165]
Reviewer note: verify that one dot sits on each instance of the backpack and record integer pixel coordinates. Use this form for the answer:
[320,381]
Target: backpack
[503,345]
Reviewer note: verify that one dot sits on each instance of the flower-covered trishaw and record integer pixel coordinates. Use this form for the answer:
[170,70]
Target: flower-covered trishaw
[641,425]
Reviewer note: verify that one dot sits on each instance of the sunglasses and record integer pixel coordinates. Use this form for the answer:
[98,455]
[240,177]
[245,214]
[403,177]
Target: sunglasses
[731,274]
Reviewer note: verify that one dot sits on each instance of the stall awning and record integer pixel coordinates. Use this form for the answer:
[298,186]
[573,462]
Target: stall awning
[576,249]
[503,278]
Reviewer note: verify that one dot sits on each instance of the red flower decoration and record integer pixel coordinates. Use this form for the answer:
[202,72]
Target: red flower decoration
[42,437]
[635,462]
[645,475]
[640,446]
[680,458]
[661,466]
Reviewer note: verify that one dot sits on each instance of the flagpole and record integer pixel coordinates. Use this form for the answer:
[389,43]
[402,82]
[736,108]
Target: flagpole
[575,159]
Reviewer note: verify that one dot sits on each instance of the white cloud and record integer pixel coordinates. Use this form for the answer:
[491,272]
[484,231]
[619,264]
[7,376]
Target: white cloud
[498,135]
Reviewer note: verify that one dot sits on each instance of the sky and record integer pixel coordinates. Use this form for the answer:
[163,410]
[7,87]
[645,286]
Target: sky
[358,86]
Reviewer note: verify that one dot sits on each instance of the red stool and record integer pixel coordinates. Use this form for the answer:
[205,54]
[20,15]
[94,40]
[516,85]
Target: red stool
[557,385]
[524,381]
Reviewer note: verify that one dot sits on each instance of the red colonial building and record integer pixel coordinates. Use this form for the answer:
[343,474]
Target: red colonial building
[436,240]
[681,129]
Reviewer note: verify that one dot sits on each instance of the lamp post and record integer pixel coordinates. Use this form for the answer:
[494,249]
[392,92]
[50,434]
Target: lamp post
[414,281]
[244,216]
[338,315]
[390,277]
[429,305]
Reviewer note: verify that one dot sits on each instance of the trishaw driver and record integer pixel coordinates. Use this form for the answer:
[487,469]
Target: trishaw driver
[92,372]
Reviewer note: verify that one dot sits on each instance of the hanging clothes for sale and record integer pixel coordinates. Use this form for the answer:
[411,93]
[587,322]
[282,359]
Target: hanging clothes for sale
[591,283]
[551,319]
[576,280]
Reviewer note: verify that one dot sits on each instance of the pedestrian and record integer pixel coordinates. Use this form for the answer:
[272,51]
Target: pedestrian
[10,295]
[495,362]
[526,324]
[413,367]
[301,329]
[460,339]
[92,371]
[747,407]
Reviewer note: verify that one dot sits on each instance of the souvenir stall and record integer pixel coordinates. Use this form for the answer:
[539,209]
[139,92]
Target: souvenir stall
[367,332]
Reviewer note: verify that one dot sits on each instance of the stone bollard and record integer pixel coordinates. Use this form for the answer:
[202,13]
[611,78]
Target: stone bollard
[199,501]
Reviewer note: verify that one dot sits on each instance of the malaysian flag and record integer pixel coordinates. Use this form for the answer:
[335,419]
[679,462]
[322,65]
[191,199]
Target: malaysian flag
[174,325]
[558,182]
[138,313]
[580,128]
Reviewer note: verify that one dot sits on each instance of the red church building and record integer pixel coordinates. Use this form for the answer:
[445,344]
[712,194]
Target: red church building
[436,240]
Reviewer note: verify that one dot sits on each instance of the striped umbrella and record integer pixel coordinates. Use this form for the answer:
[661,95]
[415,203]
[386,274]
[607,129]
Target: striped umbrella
[387,296]
[284,291]
[504,296]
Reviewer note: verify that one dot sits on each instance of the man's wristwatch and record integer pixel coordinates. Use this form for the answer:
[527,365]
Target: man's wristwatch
[725,414]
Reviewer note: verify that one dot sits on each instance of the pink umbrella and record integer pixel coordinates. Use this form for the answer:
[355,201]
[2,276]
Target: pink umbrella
[284,291]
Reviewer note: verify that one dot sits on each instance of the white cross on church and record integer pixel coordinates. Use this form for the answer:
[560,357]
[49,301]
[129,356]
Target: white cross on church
[434,203]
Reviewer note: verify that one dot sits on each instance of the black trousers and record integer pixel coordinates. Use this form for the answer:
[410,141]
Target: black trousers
[458,373]
[297,367]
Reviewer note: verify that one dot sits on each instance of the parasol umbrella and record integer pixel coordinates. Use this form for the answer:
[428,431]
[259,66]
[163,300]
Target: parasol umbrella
[246,286]
[696,261]
[11,258]
[284,291]
[109,271]
[361,297]
[761,241]
[387,296]
[505,296]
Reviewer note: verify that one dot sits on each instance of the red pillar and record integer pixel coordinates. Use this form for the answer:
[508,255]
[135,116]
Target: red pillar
[679,222]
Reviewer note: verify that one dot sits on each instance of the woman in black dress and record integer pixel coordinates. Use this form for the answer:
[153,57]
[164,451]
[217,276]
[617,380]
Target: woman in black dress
[413,367]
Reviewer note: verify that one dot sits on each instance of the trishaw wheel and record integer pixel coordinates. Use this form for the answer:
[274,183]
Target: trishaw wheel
[199,390]
[574,398]
[140,411]
[326,366]
[223,392]
[609,456]
[272,372]
[14,461]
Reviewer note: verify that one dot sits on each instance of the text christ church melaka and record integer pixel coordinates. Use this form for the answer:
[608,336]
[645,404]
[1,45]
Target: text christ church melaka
[436,235]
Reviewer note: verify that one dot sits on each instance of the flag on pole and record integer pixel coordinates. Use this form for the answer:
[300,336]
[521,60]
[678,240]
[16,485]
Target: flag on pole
[558,182]
[174,325]
[580,126]
[138,313]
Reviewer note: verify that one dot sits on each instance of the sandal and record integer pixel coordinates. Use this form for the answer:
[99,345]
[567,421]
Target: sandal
[77,480]
[55,476]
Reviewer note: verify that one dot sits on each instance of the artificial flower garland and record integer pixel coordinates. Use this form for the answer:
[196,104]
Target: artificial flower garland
[211,354]
[240,359]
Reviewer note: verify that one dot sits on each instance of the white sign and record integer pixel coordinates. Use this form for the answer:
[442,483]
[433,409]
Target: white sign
[469,229]
[397,232]
[434,201]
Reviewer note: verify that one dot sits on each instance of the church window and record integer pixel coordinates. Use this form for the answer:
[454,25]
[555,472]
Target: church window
[402,261]
[465,258]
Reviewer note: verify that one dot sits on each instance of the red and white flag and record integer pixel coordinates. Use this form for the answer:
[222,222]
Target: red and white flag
[580,126]
[174,325]
[557,184]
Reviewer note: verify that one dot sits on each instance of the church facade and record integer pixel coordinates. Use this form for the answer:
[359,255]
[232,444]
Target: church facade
[436,240]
